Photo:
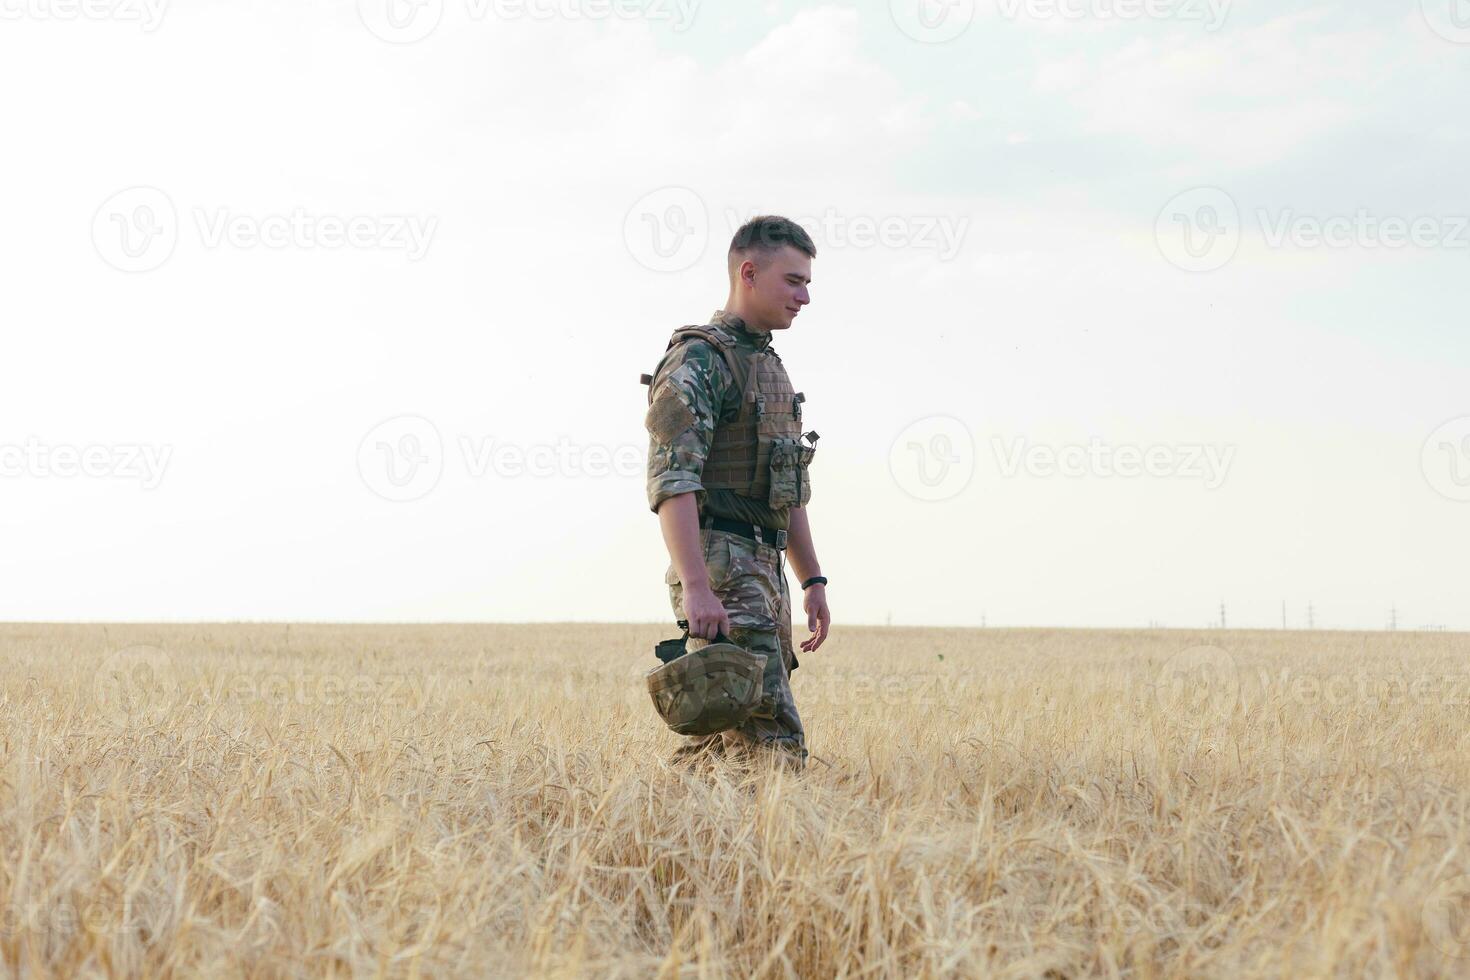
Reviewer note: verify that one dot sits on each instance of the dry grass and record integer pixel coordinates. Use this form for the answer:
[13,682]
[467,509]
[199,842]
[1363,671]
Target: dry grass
[496,800]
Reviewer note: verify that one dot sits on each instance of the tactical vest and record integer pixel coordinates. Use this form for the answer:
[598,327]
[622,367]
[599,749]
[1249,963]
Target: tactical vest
[757,450]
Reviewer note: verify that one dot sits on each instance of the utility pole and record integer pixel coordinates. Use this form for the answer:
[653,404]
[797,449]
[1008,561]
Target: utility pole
[1283,614]
[1311,618]
[1222,614]
[1393,618]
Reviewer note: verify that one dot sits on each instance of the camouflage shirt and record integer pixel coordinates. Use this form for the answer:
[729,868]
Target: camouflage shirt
[679,444]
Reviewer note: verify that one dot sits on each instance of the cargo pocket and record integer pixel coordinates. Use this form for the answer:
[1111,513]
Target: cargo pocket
[790,486]
[716,548]
[719,560]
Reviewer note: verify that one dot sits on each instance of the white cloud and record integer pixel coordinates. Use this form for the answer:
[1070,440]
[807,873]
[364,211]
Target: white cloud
[1242,99]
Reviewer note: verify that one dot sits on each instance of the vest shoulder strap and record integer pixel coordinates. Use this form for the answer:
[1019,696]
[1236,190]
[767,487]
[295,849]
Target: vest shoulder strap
[740,368]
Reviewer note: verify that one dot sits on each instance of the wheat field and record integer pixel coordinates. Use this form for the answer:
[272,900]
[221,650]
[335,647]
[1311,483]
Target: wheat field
[303,801]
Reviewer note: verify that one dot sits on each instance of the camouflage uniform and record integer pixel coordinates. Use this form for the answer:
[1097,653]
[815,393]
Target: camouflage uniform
[693,389]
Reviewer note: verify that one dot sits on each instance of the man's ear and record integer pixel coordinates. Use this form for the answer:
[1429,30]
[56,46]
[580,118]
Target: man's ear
[750,278]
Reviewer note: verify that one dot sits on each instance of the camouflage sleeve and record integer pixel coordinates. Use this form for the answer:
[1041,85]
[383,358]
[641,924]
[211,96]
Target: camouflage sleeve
[688,395]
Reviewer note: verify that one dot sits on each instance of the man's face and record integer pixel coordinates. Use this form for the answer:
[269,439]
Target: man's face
[776,286]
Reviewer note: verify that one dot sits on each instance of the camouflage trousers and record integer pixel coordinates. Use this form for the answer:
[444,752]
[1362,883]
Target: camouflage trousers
[750,581]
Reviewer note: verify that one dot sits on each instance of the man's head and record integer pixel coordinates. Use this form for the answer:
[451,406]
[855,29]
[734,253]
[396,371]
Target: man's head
[770,269]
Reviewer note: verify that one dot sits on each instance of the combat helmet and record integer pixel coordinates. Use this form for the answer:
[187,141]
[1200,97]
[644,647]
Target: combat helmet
[709,690]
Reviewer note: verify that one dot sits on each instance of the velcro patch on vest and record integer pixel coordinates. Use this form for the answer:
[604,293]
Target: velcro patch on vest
[668,415]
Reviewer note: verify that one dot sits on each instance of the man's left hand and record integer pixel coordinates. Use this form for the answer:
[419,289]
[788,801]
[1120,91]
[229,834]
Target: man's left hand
[818,618]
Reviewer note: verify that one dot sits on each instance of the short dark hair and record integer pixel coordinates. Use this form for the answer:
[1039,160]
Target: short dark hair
[770,233]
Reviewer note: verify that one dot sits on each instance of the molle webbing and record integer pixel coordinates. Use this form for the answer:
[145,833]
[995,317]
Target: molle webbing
[740,455]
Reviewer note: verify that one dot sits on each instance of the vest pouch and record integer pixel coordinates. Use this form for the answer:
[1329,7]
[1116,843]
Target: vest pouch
[790,486]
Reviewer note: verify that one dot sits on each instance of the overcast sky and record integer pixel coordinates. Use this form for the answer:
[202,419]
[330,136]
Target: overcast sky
[336,311]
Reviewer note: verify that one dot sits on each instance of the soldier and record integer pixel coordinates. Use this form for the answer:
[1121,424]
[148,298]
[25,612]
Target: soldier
[727,476]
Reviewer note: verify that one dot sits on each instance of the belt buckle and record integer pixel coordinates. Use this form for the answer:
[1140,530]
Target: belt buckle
[780,540]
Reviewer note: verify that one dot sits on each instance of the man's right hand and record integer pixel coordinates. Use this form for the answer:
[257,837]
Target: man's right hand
[706,615]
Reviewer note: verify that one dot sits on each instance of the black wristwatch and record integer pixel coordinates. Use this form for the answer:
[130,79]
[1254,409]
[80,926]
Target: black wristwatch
[814,580]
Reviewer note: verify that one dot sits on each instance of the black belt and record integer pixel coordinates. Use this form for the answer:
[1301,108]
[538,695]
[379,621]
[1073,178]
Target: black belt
[755,532]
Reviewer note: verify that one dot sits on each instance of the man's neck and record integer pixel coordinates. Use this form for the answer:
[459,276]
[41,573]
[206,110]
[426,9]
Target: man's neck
[750,324]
